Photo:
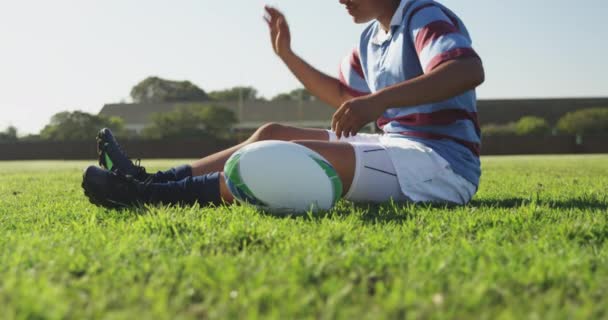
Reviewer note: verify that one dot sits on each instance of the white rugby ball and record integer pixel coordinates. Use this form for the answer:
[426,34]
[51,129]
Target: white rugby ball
[282,177]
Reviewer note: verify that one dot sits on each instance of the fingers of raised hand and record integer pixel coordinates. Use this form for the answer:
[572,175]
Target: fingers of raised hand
[273,12]
[275,19]
[269,16]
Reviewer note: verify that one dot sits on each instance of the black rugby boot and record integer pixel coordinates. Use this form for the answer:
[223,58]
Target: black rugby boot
[114,190]
[113,158]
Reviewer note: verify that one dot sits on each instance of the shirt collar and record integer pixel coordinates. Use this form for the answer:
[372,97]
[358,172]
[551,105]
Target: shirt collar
[398,16]
[380,36]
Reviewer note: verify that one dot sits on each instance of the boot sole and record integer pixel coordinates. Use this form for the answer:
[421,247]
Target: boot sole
[99,201]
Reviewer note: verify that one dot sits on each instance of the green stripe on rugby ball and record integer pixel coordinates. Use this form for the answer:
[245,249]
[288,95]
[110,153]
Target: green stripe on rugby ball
[232,170]
[331,173]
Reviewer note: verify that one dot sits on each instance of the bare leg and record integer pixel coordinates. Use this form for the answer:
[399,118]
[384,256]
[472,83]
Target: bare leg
[340,155]
[271,131]
[224,191]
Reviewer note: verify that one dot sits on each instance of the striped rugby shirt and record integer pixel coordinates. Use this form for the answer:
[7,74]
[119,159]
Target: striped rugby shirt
[423,35]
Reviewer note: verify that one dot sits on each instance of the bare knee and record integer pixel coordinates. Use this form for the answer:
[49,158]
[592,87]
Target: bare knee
[268,131]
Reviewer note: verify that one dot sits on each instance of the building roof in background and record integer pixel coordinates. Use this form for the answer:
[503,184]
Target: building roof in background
[253,112]
[134,113]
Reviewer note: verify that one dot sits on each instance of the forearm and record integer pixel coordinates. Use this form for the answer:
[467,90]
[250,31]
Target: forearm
[321,85]
[448,80]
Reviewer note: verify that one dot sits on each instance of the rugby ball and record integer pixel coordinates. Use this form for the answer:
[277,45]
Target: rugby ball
[282,177]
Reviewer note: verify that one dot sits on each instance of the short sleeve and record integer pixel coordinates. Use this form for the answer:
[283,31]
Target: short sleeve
[351,76]
[438,38]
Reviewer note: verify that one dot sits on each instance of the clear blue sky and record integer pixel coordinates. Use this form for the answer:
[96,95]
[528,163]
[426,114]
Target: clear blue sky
[77,55]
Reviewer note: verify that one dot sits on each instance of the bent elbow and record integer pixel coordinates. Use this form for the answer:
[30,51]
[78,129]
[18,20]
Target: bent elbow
[480,75]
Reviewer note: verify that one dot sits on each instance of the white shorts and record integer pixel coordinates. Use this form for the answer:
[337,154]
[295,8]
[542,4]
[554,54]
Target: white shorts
[393,167]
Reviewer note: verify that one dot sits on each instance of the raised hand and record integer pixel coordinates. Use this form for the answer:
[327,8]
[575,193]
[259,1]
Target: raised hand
[279,31]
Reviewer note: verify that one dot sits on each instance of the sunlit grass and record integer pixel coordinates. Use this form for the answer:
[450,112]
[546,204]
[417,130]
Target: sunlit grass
[532,244]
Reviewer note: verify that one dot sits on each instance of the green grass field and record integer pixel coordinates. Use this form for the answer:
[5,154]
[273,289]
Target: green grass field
[532,244]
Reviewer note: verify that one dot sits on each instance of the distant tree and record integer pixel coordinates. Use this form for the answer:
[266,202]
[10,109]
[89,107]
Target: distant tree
[525,126]
[235,94]
[193,121]
[295,95]
[9,135]
[282,97]
[78,125]
[586,121]
[155,90]
[530,125]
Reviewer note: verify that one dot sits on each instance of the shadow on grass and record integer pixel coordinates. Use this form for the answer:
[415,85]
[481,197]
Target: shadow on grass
[398,212]
[401,212]
[368,213]
[510,203]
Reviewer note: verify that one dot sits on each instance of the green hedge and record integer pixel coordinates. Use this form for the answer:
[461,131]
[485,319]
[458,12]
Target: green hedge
[583,122]
[529,126]
[526,126]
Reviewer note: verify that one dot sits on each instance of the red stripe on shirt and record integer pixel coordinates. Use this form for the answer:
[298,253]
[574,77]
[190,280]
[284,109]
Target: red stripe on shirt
[438,118]
[345,85]
[474,147]
[355,63]
[431,32]
[453,54]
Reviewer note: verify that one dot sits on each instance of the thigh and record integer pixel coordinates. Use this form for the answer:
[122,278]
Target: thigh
[276,131]
[375,179]
[366,170]
[358,138]
[340,155]
[295,133]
